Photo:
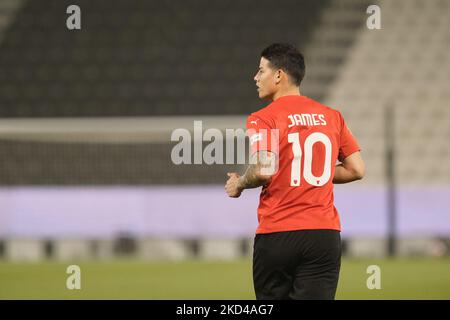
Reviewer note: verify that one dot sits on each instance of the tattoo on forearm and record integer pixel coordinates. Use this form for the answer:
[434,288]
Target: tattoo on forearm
[253,177]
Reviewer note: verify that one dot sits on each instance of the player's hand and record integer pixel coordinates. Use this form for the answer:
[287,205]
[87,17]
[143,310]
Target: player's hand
[232,186]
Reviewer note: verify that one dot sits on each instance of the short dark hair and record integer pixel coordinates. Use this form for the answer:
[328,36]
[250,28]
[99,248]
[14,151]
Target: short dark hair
[286,57]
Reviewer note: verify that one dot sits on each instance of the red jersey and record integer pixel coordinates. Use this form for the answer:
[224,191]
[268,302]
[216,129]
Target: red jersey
[312,137]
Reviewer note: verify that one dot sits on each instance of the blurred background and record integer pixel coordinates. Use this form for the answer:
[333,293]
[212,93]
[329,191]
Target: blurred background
[86,118]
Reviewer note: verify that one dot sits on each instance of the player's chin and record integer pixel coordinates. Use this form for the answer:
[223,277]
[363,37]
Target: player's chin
[261,94]
[265,94]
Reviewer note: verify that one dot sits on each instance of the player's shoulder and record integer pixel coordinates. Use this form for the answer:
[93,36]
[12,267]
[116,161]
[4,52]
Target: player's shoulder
[333,115]
[266,113]
[332,112]
[326,108]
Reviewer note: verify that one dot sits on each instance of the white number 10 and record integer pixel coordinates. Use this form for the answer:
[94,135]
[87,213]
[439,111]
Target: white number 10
[296,167]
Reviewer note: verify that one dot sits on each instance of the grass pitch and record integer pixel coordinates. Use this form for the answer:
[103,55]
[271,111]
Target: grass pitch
[134,279]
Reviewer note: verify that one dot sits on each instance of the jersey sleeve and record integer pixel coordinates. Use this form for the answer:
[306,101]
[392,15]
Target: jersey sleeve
[348,144]
[262,136]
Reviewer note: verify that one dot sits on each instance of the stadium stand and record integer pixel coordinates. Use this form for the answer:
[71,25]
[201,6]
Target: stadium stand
[143,57]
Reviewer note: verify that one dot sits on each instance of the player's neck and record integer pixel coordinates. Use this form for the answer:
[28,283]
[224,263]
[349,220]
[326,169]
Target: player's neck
[291,91]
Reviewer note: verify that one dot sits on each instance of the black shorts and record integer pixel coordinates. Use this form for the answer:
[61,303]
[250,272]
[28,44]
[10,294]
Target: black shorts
[301,264]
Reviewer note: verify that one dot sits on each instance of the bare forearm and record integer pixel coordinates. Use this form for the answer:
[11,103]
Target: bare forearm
[344,175]
[251,178]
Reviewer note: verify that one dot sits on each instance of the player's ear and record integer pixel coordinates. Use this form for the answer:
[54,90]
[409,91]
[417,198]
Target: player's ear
[278,76]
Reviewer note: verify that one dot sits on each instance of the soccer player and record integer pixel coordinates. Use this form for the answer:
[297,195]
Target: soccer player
[297,248]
